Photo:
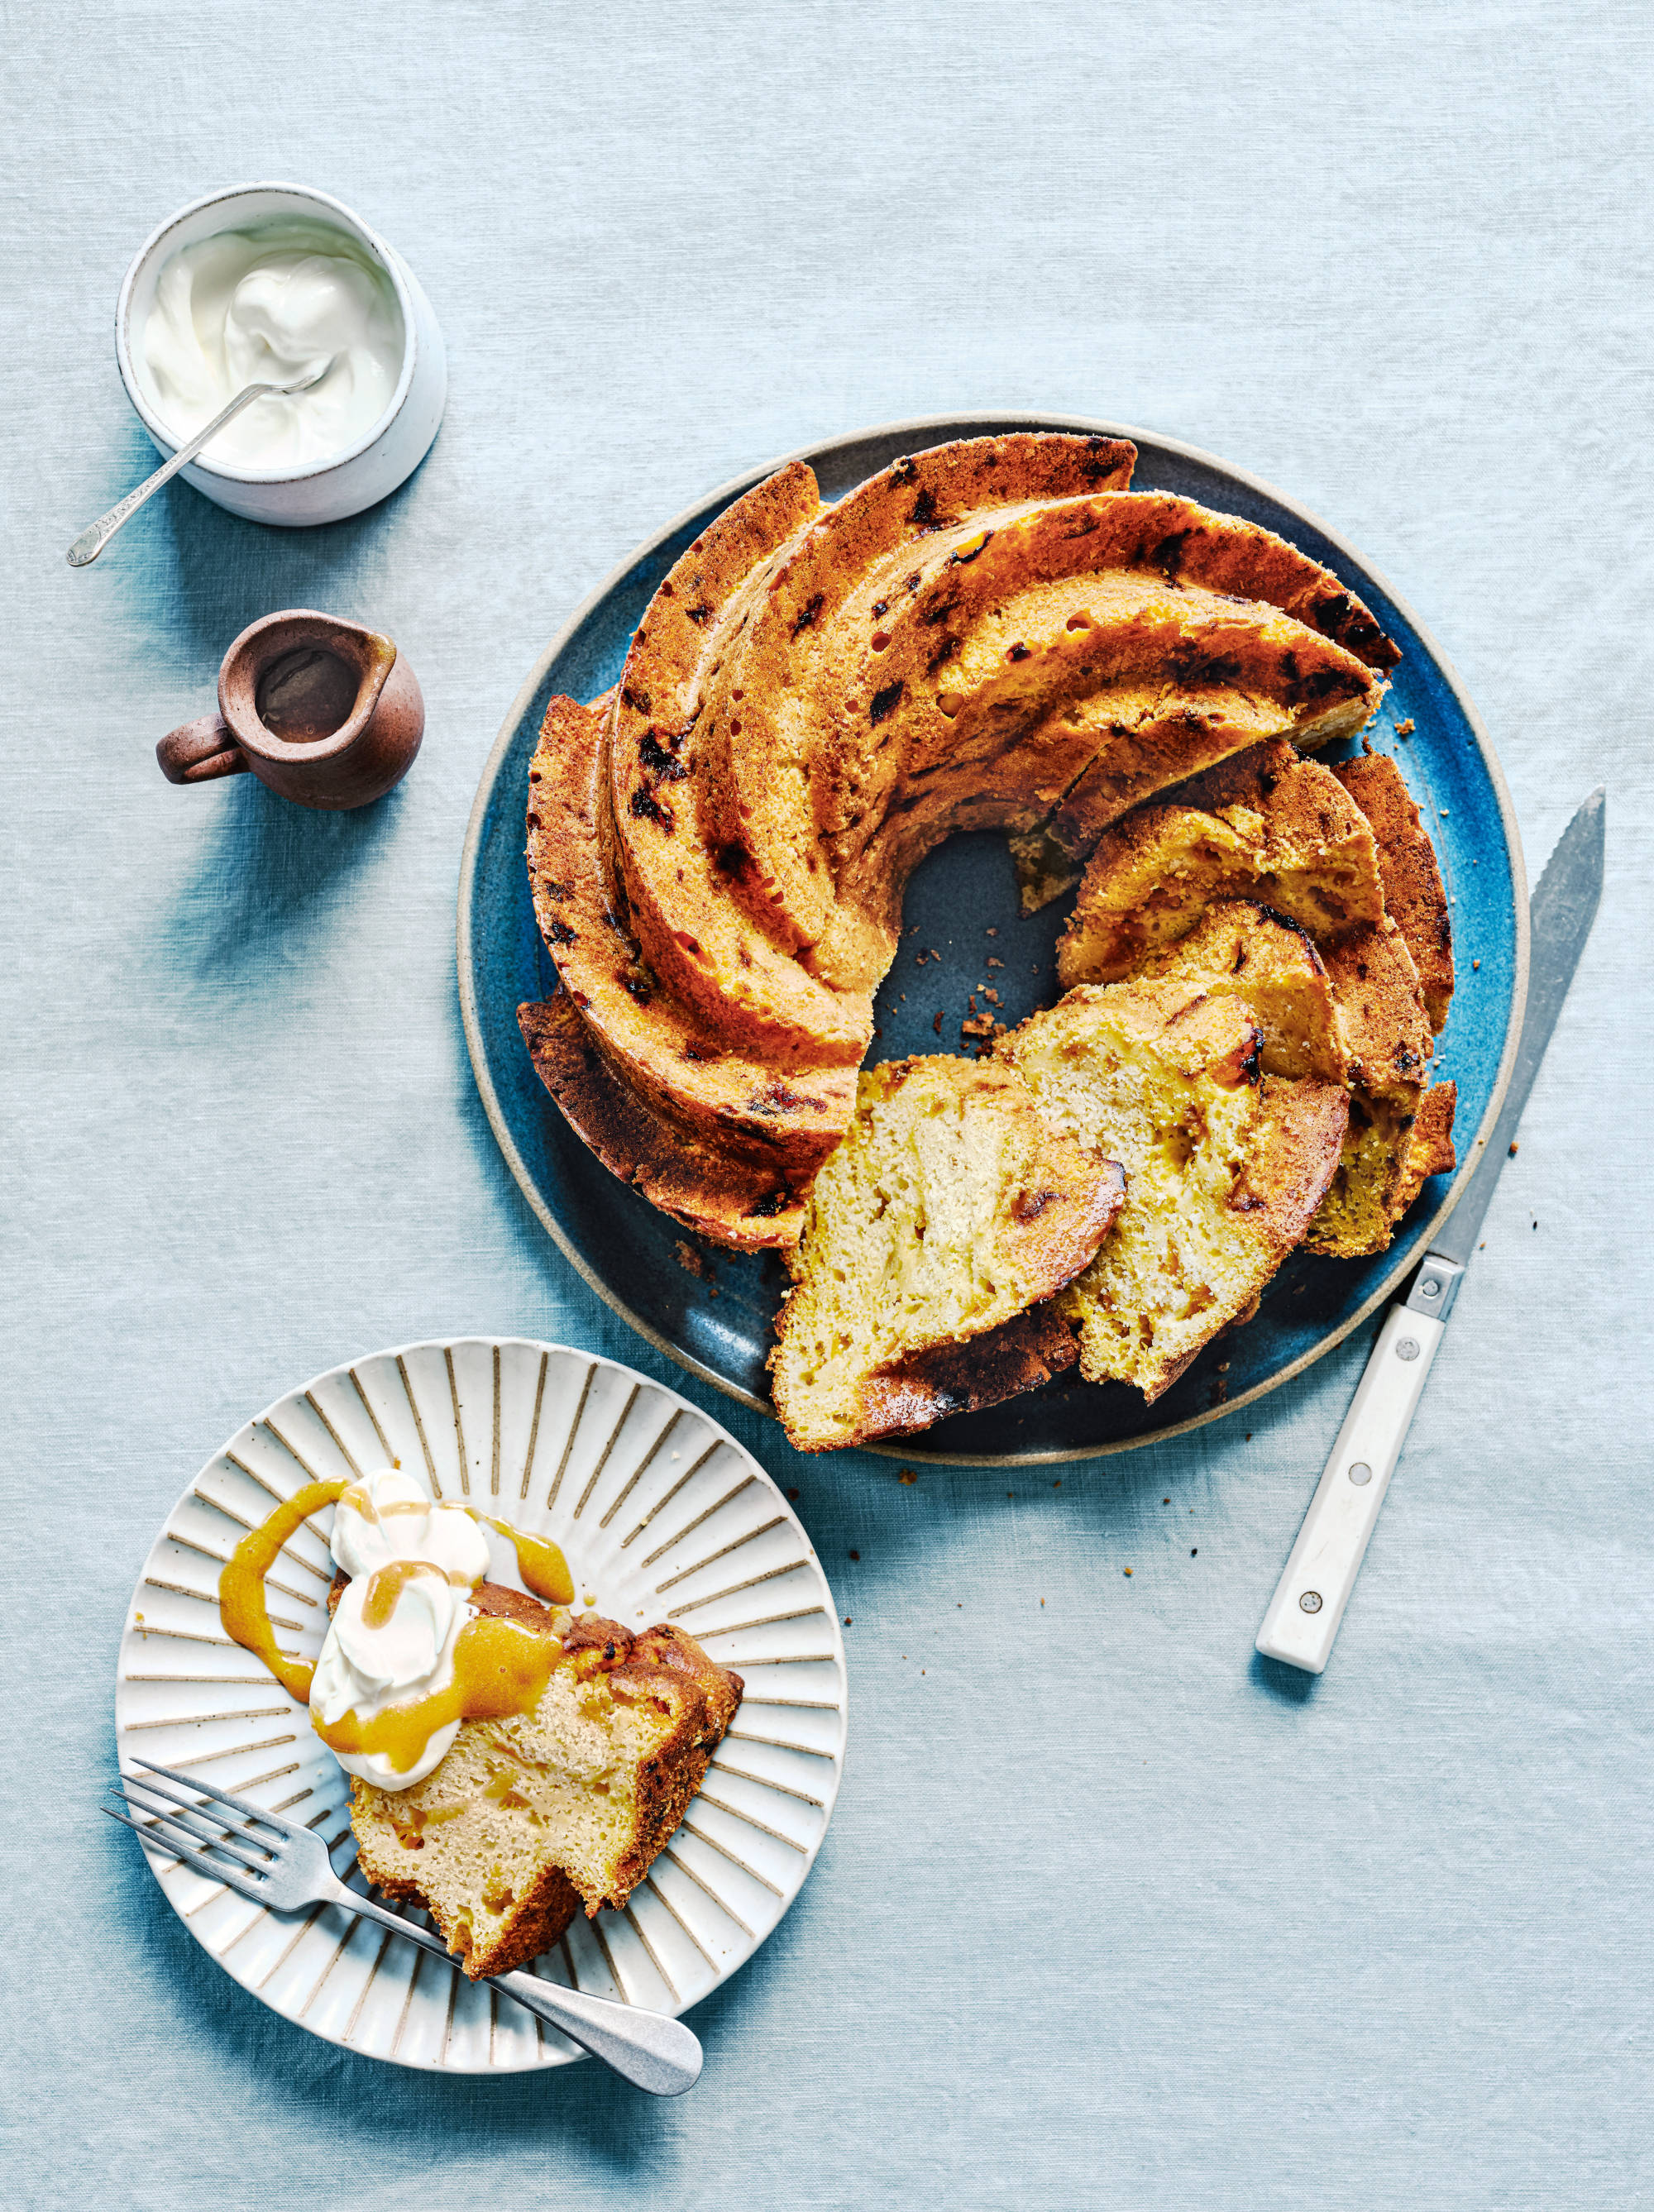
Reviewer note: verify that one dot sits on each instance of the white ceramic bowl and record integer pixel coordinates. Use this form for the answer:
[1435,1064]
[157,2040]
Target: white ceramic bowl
[366,472]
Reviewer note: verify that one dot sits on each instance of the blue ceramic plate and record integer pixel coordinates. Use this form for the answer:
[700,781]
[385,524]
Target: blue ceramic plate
[630,1255]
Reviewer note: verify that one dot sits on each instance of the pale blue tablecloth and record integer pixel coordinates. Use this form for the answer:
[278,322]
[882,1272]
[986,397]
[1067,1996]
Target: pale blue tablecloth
[1112,1913]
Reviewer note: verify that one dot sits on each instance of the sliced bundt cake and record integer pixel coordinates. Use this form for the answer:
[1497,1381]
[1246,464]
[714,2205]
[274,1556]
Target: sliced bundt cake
[951,1208]
[527,1819]
[995,633]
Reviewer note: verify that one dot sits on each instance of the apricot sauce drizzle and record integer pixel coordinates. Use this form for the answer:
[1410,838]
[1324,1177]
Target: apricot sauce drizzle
[500,1667]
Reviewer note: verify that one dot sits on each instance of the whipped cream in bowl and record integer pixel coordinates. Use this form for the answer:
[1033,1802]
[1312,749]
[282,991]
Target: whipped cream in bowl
[260,285]
[265,306]
[412,1564]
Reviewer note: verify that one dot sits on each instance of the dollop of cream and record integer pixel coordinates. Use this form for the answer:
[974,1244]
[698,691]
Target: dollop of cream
[412,1564]
[264,306]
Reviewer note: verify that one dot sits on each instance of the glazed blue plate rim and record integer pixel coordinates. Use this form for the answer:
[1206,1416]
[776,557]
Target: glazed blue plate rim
[913,432]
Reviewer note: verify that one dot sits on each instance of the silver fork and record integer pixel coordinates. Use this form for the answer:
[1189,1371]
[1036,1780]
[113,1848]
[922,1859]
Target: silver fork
[278,1864]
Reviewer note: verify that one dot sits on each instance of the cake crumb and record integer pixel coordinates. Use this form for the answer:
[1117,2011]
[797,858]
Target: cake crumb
[1405,729]
[993,963]
[847,1620]
[792,1494]
[693,1262]
[937,1024]
[856,1555]
[1476,963]
[1125,1570]
[1515,1148]
[907,1475]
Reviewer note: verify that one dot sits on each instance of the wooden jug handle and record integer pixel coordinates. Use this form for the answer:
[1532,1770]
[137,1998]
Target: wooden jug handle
[200,751]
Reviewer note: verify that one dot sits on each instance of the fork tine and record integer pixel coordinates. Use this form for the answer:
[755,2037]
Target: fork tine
[244,1806]
[244,1885]
[190,1804]
[259,1858]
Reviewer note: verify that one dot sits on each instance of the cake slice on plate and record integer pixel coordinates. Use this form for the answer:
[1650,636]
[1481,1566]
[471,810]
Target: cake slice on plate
[529,1819]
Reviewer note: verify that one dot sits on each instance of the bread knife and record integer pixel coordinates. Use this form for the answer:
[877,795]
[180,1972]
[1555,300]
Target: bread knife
[1309,1600]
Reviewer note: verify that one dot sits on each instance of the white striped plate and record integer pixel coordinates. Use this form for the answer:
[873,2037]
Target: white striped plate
[661,1515]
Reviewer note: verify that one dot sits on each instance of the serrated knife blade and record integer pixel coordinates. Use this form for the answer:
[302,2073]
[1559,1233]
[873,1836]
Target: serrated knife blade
[1309,1600]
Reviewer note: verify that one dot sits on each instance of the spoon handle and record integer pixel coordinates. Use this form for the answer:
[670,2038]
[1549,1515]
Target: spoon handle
[91,542]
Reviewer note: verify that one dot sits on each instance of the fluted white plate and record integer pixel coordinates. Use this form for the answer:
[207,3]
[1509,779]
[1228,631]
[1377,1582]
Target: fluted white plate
[661,1515]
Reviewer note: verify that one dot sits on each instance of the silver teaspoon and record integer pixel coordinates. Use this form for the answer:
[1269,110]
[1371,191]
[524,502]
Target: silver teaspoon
[90,542]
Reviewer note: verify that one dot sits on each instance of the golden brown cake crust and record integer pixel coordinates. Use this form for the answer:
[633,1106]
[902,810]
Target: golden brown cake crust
[965,1378]
[1414,897]
[725,1198]
[763,710]
[1430,1150]
[695,933]
[666,1053]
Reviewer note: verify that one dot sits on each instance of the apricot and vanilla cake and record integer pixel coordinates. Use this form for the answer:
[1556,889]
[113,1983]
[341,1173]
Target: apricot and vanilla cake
[509,1763]
[994,634]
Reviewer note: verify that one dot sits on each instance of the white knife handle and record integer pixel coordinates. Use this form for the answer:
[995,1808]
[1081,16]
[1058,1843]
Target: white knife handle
[1308,1603]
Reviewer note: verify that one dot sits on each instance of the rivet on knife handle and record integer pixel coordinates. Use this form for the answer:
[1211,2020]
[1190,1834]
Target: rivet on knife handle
[1308,1603]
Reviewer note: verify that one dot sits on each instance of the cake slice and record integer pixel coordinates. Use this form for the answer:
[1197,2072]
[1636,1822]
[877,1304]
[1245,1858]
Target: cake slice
[950,1209]
[1291,835]
[1415,898]
[1266,826]
[527,1819]
[1224,1165]
[1241,951]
